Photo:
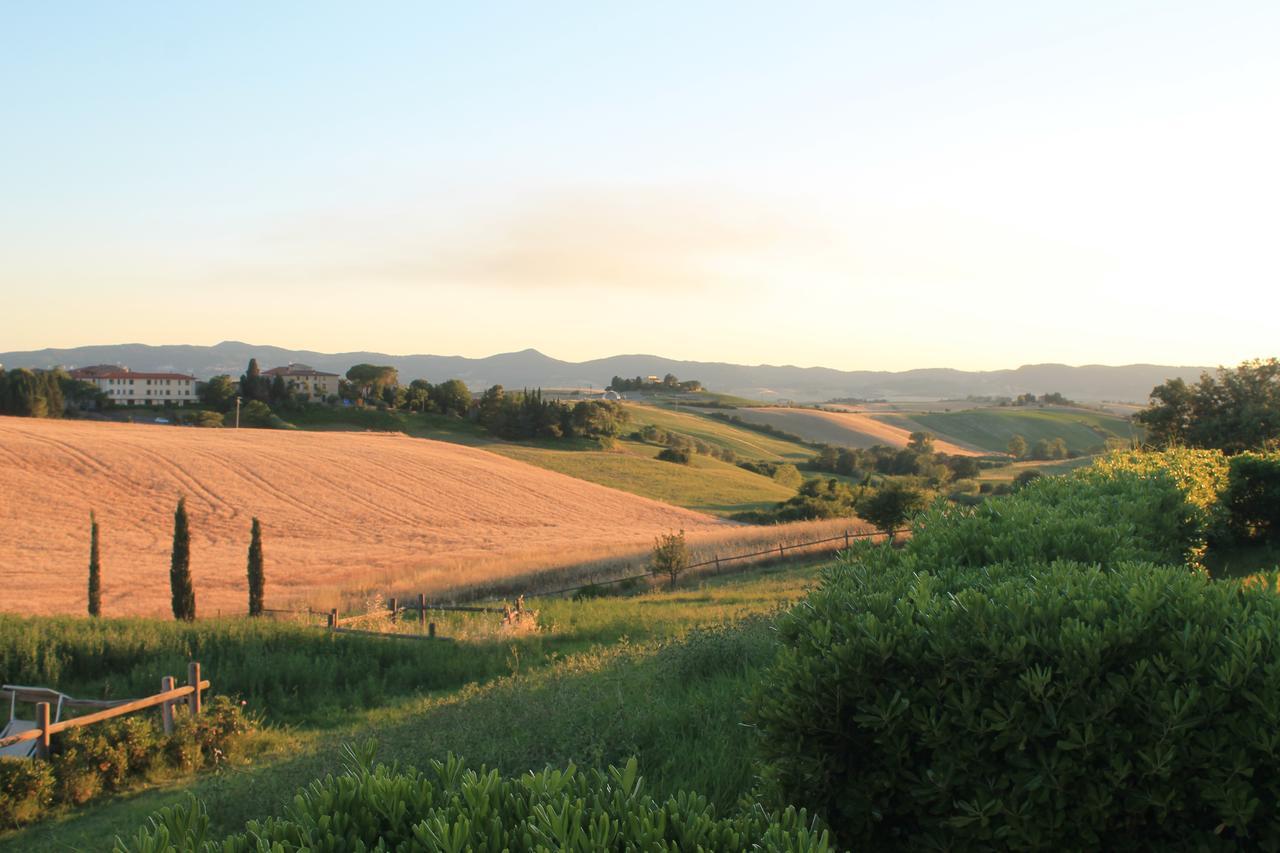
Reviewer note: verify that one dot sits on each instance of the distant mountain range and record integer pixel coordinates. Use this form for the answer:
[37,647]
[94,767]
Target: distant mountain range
[530,368]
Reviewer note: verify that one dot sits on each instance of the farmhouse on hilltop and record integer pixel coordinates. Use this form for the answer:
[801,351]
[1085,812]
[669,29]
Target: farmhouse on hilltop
[125,387]
[306,381]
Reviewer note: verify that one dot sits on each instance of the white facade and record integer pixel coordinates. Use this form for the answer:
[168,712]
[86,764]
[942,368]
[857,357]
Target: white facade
[129,388]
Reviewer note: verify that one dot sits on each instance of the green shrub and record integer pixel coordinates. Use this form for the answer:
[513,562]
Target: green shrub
[453,808]
[26,790]
[98,751]
[1029,706]
[78,781]
[1251,500]
[788,475]
[1200,475]
[679,455]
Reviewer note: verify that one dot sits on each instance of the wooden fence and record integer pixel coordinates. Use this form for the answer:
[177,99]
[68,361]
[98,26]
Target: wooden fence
[168,696]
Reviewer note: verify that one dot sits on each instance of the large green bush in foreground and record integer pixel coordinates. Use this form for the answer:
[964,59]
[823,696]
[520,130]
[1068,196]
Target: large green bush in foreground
[1046,671]
[452,808]
[1030,706]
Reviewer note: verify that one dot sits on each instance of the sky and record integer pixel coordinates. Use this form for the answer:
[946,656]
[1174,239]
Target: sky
[854,185]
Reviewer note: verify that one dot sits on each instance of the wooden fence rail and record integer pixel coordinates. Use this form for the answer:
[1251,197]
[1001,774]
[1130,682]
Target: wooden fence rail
[166,699]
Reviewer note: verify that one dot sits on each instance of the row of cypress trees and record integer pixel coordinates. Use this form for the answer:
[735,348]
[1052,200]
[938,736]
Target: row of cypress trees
[182,588]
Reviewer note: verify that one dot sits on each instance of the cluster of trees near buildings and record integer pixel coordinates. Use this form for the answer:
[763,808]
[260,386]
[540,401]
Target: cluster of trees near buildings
[527,414]
[641,383]
[507,414]
[45,393]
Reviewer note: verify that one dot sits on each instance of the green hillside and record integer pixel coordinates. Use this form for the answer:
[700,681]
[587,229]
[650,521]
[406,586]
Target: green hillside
[747,444]
[991,428]
[706,484]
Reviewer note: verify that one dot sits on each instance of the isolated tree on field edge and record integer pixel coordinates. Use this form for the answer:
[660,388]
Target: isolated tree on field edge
[256,578]
[95,569]
[891,505]
[180,585]
[670,556]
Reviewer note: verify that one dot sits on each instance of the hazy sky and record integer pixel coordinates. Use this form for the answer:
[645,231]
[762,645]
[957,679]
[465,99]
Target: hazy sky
[857,185]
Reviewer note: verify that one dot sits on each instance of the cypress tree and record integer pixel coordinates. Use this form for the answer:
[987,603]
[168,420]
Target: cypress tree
[183,591]
[256,578]
[95,570]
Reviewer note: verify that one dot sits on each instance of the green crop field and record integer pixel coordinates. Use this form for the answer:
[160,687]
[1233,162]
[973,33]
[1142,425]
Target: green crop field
[664,676]
[746,443]
[991,428]
[705,484]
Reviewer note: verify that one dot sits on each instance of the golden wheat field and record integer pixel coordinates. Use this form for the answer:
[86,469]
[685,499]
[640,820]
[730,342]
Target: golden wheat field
[338,510]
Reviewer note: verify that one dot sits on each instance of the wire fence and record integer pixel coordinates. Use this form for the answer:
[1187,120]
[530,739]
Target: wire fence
[716,564]
[797,549]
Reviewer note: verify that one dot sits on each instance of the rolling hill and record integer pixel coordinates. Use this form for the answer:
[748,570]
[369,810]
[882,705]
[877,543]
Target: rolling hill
[339,510]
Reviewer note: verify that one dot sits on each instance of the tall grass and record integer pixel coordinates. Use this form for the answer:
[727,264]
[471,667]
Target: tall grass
[297,673]
[292,671]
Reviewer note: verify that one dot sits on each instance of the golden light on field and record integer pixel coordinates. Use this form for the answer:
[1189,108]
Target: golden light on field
[339,510]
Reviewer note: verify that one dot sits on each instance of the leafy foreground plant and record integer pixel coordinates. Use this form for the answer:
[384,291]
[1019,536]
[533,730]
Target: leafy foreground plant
[452,808]
[1030,706]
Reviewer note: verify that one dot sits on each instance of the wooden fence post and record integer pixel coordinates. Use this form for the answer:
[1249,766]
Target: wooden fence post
[166,710]
[42,721]
[846,540]
[422,612]
[333,618]
[431,629]
[781,553]
[717,559]
[391,605]
[193,679]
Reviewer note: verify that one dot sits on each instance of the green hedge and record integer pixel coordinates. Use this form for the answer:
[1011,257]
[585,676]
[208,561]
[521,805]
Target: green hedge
[1050,706]
[452,808]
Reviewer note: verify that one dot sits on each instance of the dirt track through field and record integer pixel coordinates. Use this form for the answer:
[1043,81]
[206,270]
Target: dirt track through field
[339,510]
[845,429]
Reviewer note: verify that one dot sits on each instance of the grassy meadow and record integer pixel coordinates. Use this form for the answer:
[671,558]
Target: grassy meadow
[663,676]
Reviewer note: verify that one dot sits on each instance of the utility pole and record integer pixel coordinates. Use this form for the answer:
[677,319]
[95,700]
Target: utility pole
[237,412]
